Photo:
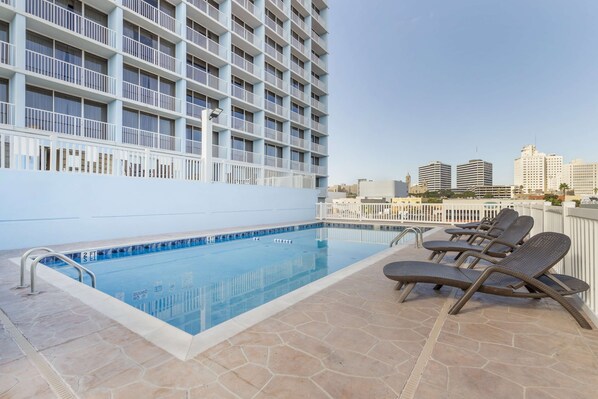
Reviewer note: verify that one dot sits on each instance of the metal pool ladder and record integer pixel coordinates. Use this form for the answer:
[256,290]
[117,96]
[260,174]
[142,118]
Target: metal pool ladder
[419,236]
[49,252]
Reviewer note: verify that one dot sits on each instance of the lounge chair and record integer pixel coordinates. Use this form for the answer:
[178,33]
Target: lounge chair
[498,247]
[495,230]
[528,267]
[483,224]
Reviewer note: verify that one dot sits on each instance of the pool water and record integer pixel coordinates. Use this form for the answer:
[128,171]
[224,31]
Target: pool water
[197,288]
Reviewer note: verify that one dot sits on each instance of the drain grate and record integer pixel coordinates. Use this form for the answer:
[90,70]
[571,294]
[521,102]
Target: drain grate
[56,383]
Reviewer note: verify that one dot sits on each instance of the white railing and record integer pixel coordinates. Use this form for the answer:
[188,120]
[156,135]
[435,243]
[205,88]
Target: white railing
[276,135]
[276,108]
[298,45]
[280,4]
[318,39]
[318,61]
[276,162]
[194,111]
[245,34]
[150,97]
[299,22]
[272,52]
[244,64]
[318,18]
[320,106]
[7,113]
[302,119]
[10,3]
[193,147]
[291,180]
[232,172]
[318,169]
[153,14]
[71,21]
[319,83]
[58,69]
[245,126]
[249,6]
[245,156]
[299,70]
[48,121]
[210,10]
[319,148]
[275,81]
[303,4]
[207,79]
[300,166]
[245,95]
[219,151]
[299,142]
[320,127]
[150,54]
[270,23]
[206,43]
[145,138]
[296,92]
[7,53]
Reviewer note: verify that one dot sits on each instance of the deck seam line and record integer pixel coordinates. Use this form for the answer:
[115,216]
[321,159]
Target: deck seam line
[54,380]
[414,379]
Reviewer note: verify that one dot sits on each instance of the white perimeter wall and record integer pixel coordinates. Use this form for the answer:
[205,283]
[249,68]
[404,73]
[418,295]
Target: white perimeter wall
[41,208]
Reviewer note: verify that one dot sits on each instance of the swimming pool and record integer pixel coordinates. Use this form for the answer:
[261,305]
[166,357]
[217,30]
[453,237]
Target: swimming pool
[198,287]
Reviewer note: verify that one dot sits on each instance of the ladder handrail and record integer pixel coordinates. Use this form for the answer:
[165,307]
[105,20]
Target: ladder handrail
[24,258]
[66,259]
[419,238]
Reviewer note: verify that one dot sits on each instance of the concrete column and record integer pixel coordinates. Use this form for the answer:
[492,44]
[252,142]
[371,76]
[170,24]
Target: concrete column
[17,91]
[206,145]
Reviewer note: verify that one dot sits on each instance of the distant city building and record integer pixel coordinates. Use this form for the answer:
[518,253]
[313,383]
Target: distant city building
[581,177]
[495,191]
[475,173]
[418,189]
[344,188]
[382,189]
[536,172]
[436,175]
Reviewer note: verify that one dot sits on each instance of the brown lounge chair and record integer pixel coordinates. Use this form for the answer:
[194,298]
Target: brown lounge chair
[528,267]
[483,224]
[507,217]
[498,247]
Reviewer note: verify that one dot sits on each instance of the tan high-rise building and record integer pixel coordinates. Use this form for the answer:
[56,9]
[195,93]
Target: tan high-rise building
[537,172]
[581,177]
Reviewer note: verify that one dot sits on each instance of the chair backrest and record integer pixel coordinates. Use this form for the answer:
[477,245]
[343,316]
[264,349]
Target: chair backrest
[534,258]
[501,224]
[500,214]
[514,234]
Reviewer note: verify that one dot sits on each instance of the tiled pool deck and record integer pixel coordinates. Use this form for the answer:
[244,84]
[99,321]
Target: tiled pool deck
[350,340]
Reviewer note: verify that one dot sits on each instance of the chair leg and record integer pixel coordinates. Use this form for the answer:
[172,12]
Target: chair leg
[399,285]
[432,255]
[406,291]
[440,257]
[437,287]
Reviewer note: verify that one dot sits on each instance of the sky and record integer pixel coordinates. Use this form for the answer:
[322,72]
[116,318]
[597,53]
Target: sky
[414,81]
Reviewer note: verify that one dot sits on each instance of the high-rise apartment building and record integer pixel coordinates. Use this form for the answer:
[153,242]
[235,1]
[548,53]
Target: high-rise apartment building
[475,173]
[581,177]
[436,175]
[135,75]
[537,172]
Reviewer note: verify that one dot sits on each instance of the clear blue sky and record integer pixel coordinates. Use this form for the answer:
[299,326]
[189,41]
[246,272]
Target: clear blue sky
[413,81]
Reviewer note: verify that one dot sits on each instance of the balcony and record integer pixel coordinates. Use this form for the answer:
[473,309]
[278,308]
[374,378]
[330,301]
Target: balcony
[210,11]
[319,148]
[7,54]
[299,166]
[245,95]
[249,6]
[206,79]
[54,122]
[149,139]
[244,64]
[153,14]
[318,61]
[275,162]
[150,54]
[275,135]
[219,151]
[299,71]
[299,142]
[318,169]
[318,39]
[10,3]
[245,126]
[320,127]
[276,108]
[69,20]
[298,45]
[245,156]
[150,97]
[279,30]
[245,34]
[200,40]
[275,81]
[299,22]
[302,119]
[195,111]
[7,114]
[193,147]
[320,106]
[319,19]
[296,92]
[280,4]
[74,74]
[319,84]
[272,52]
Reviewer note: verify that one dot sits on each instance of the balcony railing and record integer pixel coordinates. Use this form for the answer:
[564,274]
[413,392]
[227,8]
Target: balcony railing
[318,169]
[150,54]
[7,114]
[245,34]
[272,52]
[245,95]
[296,92]
[245,156]
[276,108]
[299,70]
[299,142]
[206,79]
[219,151]
[244,64]
[275,81]
[318,61]
[205,43]
[318,83]
[193,147]
[10,3]
[320,127]
[7,53]
[319,19]
[299,22]
[58,69]
[249,6]
[320,106]
[296,117]
[48,121]
[244,126]
[210,10]
[319,148]
[280,4]
[146,138]
[270,23]
[71,21]
[195,111]
[276,135]
[298,45]
[153,14]
[275,162]
[300,166]
[150,97]
[318,39]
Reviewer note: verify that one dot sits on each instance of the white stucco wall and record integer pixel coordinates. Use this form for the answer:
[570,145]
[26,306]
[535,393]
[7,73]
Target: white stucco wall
[38,208]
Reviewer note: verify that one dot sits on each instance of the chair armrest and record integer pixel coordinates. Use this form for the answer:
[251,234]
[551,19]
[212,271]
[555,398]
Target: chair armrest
[474,254]
[498,241]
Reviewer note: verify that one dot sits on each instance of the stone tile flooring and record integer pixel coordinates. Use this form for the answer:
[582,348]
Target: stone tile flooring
[351,340]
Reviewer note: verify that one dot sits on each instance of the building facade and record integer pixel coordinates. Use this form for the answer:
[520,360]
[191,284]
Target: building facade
[436,175]
[475,173]
[581,177]
[536,172]
[495,191]
[139,77]
[382,189]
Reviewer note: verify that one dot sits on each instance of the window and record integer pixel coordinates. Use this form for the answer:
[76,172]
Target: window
[297,61]
[236,50]
[95,111]
[273,124]
[296,132]
[273,151]
[240,113]
[193,133]
[273,71]
[4,97]
[4,32]
[297,109]
[297,156]
[202,30]
[272,97]
[273,44]
[39,98]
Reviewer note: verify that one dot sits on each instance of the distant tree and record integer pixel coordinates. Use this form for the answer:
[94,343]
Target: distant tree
[488,195]
[564,187]
[553,199]
[595,190]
